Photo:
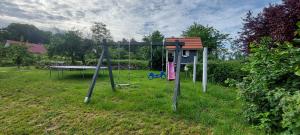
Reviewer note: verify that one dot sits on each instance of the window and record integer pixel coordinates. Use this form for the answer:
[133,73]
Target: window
[170,57]
[185,53]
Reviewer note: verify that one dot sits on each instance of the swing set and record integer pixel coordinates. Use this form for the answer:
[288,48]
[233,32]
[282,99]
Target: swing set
[105,53]
[150,75]
[129,66]
[161,74]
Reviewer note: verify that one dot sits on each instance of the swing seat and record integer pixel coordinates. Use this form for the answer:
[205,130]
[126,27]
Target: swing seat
[123,84]
[152,75]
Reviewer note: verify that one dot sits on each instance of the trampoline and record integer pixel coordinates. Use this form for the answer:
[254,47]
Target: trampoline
[71,68]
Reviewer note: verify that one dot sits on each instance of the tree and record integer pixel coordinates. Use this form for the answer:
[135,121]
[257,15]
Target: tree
[3,35]
[123,50]
[235,50]
[70,45]
[19,55]
[277,21]
[85,47]
[54,48]
[297,35]
[99,32]
[3,53]
[210,37]
[156,36]
[26,32]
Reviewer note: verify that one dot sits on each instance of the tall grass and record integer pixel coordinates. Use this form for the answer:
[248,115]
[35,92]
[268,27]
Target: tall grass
[32,102]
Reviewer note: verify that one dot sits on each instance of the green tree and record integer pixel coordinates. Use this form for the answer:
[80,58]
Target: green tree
[19,55]
[3,35]
[70,45]
[85,47]
[3,53]
[30,33]
[156,36]
[236,51]
[100,32]
[54,47]
[297,35]
[210,37]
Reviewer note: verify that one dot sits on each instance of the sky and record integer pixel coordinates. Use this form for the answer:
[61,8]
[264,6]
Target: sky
[131,18]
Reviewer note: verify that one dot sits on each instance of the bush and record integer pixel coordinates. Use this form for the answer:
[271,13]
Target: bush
[271,89]
[18,55]
[4,59]
[219,71]
[6,62]
[291,113]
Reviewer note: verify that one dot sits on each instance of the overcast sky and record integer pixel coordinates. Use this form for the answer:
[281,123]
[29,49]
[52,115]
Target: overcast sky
[131,18]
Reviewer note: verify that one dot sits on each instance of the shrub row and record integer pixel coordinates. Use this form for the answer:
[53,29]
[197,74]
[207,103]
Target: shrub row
[219,71]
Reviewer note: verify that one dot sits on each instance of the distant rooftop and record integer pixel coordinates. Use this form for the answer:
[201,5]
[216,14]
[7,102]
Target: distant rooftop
[33,48]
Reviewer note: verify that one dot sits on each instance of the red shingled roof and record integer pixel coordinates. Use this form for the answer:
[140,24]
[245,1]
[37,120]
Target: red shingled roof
[33,48]
[191,43]
[37,48]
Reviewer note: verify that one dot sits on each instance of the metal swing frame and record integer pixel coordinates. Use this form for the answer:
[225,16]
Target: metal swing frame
[129,66]
[105,53]
[161,74]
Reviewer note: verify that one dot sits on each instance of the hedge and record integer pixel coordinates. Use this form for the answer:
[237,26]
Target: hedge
[219,71]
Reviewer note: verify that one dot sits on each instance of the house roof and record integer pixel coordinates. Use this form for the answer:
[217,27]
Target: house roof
[190,43]
[33,48]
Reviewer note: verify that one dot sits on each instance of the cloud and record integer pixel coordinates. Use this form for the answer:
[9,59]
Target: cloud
[130,18]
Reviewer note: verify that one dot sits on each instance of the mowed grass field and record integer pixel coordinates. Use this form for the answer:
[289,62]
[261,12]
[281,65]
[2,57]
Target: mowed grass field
[32,102]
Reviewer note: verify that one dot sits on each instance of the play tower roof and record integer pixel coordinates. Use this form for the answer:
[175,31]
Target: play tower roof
[191,43]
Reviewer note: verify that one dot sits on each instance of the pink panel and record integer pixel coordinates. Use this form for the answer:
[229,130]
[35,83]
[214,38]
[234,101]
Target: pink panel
[171,71]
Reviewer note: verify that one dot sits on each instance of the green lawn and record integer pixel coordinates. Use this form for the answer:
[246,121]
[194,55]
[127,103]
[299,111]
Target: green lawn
[33,103]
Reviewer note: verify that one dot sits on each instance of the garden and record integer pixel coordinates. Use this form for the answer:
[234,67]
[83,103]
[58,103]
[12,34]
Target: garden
[253,85]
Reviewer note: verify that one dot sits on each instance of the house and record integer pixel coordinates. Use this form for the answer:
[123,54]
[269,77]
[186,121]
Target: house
[189,50]
[32,48]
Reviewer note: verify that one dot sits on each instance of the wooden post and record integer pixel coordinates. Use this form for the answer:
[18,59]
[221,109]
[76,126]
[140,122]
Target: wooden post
[178,54]
[204,77]
[195,68]
[167,57]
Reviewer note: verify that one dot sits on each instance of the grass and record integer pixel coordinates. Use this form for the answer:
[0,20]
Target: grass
[33,103]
